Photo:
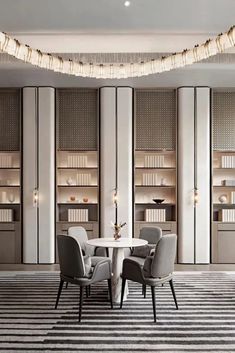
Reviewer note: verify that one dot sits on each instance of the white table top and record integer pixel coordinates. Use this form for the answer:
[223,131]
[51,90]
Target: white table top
[121,243]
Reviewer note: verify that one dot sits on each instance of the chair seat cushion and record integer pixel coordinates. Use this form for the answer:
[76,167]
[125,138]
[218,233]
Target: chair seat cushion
[143,251]
[96,259]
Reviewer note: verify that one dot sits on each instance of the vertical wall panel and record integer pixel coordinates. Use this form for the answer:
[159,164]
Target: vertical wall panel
[46,174]
[30,244]
[202,146]
[124,160]
[107,158]
[186,175]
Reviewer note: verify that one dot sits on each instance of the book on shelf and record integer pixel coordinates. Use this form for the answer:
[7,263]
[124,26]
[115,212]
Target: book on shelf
[228,161]
[6,215]
[155,215]
[83,179]
[154,161]
[149,179]
[76,161]
[5,161]
[77,215]
[227,215]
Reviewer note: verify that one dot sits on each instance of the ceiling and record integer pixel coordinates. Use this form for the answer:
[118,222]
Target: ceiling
[107,26]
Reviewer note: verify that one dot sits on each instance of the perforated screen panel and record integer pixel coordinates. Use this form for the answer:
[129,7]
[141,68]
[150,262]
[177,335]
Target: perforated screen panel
[224,120]
[155,119]
[10,119]
[77,119]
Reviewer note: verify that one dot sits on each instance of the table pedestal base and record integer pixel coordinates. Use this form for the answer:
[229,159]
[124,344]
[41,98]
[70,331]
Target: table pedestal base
[118,257]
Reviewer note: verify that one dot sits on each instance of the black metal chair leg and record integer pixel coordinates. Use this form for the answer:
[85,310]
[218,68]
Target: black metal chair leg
[81,302]
[59,292]
[123,290]
[144,290]
[67,283]
[87,291]
[110,293]
[154,303]
[107,252]
[173,293]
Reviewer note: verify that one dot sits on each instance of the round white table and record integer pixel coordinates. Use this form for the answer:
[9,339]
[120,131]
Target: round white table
[118,247]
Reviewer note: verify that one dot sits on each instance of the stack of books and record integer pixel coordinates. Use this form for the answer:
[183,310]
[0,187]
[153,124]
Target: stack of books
[227,215]
[149,179]
[6,215]
[228,161]
[77,215]
[228,182]
[83,179]
[5,161]
[76,161]
[154,161]
[155,215]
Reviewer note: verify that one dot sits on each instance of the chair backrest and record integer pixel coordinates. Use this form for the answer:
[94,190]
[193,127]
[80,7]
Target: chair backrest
[80,234]
[164,256]
[70,257]
[151,234]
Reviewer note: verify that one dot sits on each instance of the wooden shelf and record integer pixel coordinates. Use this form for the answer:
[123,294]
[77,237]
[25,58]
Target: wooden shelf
[9,186]
[154,204]
[155,186]
[220,168]
[223,186]
[9,168]
[77,168]
[77,186]
[9,204]
[156,168]
[78,203]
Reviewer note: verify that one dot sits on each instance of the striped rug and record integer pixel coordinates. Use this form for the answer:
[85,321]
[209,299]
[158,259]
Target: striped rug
[205,321]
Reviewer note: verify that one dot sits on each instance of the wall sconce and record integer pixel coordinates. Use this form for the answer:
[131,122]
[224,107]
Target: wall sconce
[35,198]
[196,196]
[115,198]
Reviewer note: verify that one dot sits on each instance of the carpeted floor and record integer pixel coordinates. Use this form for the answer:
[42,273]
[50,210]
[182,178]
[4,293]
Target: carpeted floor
[205,321]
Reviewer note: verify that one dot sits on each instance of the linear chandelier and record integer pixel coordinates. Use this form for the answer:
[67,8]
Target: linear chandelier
[55,63]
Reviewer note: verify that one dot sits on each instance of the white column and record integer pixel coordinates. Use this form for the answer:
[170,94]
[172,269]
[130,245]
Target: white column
[46,174]
[107,158]
[124,157]
[30,241]
[186,175]
[202,146]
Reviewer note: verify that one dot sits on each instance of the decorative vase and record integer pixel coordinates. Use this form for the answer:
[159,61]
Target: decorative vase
[223,198]
[117,235]
[69,181]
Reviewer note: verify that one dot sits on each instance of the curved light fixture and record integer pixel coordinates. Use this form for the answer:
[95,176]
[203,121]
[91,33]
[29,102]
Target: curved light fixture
[35,57]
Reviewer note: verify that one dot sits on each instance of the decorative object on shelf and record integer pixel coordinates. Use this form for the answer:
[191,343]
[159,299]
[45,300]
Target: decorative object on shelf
[72,198]
[228,182]
[69,181]
[11,197]
[3,197]
[223,198]
[77,215]
[158,201]
[117,227]
[6,215]
[155,215]
[163,182]
[121,69]
[85,199]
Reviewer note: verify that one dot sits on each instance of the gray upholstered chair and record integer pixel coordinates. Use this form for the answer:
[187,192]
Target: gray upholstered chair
[157,268]
[80,234]
[139,254]
[74,270]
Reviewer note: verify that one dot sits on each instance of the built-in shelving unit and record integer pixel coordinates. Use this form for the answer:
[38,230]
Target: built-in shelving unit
[223,176]
[10,176]
[77,160]
[155,162]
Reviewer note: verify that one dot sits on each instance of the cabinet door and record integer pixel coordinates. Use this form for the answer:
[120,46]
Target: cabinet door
[226,246]
[10,249]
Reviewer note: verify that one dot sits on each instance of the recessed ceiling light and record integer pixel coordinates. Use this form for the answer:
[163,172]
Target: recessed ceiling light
[127,3]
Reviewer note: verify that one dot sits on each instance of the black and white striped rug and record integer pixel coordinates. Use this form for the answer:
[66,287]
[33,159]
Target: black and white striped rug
[205,321]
